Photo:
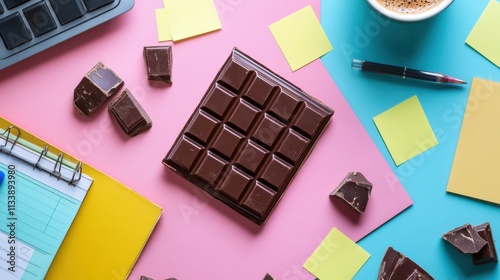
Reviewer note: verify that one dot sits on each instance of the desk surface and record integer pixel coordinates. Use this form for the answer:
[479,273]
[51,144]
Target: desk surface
[437,44]
[186,244]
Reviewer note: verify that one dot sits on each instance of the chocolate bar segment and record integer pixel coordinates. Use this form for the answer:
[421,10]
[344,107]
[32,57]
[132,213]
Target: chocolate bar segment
[396,266]
[488,253]
[129,114]
[159,63]
[354,190]
[465,239]
[95,88]
[248,137]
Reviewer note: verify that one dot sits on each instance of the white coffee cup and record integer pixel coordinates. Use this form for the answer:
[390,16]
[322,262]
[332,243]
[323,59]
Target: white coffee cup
[410,16]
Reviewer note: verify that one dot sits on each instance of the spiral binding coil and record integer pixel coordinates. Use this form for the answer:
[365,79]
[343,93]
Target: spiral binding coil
[43,155]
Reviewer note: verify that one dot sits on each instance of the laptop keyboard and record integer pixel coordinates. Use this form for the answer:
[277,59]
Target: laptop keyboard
[30,26]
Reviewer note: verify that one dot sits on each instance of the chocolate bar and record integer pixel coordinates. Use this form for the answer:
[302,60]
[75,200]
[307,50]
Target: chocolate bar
[396,266]
[159,63]
[488,253]
[465,239]
[129,114]
[354,190]
[248,137]
[95,88]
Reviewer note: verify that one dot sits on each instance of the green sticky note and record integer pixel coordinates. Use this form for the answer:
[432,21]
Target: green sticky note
[405,130]
[301,37]
[484,37]
[189,18]
[337,257]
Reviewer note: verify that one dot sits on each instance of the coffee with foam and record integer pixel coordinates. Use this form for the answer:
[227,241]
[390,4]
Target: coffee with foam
[409,6]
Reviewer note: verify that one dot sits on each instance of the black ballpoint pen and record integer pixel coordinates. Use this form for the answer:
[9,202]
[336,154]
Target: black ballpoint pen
[404,72]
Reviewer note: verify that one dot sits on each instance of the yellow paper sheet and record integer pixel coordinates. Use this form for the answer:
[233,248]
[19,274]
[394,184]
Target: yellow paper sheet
[189,18]
[405,130]
[337,257]
[301,38]
[477,156]
[163,25]
[484,37]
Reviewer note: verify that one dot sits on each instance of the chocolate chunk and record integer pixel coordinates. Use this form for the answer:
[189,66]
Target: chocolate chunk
[396,266]
[148,278]
[488,253]
[465,239]
[268,277]
[248,137]
[354,190]
[129,114]
[95,88]
[159,63]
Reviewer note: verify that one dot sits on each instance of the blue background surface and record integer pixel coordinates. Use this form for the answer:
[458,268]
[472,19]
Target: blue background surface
[436,44]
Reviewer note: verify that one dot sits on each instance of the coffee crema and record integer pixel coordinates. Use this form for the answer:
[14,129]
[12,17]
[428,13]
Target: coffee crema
[409,6]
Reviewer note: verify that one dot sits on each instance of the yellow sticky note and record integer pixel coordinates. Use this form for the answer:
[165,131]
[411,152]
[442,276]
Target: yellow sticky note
[163,25]
[189,18]
[484,37]
[337,257]
[301,37]
[477,156]
[405,130]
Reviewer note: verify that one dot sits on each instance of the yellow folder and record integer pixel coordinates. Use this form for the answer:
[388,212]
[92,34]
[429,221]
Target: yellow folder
[109,231]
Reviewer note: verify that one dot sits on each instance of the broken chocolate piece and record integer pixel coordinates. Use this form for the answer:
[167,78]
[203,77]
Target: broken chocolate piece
[248,137]
[159,63]
[148,278]
[465,239]
[95,88]
[488,253]
[268,277]
[355,190]
[396,266]
[129,114]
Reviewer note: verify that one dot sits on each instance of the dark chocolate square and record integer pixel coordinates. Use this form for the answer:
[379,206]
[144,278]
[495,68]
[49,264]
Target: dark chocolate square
[129,114]
[354,190]
[201,127]
[235,184]
[268,130]
[227,141]
[95,88]
[218,101]
[488,253]
[209,169]
[159,63]
[251,157]
[396,266]
[186,153]
[465,239]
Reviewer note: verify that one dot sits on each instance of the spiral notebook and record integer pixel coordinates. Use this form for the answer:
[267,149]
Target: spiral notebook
[111,228]
[39,199]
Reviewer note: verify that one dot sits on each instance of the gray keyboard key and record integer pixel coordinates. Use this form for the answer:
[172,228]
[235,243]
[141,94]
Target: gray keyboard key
[13,31]
[67,10]
[14,3]
[93,5]
[39,18]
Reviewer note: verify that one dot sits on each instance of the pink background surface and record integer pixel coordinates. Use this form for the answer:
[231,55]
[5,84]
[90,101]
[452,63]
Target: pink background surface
[197,236]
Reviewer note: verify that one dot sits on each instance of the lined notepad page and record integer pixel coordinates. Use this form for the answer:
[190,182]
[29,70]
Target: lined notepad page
[44,210]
